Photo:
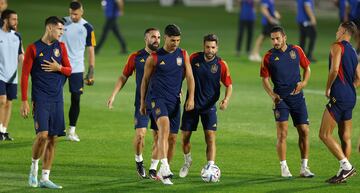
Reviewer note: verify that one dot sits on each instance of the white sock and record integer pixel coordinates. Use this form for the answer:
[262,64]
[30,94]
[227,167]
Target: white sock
[187,158]
[345,164]
[164,162]
[45,175]
[34,166]
[4,129]
[154,164]
[138,158]
[1,128]
[211,162]
[304,163]
[283,163]
[72,130]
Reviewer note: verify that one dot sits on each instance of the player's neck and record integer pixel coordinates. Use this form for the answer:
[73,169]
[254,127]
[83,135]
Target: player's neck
[148,50]
[283,49]
[168,49]
[208,60]
[47,39]
[6,28]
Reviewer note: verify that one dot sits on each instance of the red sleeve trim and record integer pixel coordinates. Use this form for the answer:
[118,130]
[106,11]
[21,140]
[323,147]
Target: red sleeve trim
[193,55]
[304,61]
[66,67]
[155,57]
[341,69]
[264,68]
[130,65]
[225,73]
[26,69]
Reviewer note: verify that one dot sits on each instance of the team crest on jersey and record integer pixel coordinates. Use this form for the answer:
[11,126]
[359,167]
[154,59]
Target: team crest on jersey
[277,114]
[157,111]
[56,52]
[197,65]
[179,61]
[292,54]
[214,68]
[142,60]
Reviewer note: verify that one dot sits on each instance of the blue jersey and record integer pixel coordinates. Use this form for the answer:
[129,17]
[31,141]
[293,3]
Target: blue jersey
[46,86]
[342,7]
[354,9]
[207,77]
[111,8]
[136,63]
[301,13]
[247,12]
[270,6]
[284,68]
[343,90]
[167,78]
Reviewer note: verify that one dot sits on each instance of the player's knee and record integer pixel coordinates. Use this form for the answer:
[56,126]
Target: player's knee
[323,136]
[42,137]
[172,139]
[2,101]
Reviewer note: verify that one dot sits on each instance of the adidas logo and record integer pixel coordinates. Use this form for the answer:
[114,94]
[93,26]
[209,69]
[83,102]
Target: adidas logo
[277,58]
[162,62]
[41,54]
[142,60]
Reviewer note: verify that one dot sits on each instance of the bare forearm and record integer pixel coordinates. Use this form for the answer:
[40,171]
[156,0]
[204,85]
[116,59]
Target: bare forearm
[119,85]
[91,52]
[331,78]
[228,92]
[306,76]
[267,87]
[309,12]
[191,86]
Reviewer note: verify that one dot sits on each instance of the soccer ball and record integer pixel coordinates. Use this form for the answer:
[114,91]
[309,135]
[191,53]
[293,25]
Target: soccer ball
[210,173]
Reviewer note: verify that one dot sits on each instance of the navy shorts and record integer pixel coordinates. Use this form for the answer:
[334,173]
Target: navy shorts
[76,83]
[8,89]
[296,106]
[161,107]
[141,121]
[49,116]
[190,119]
[340,112]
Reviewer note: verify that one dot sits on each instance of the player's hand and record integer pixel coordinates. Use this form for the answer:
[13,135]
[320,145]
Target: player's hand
[276,98]
[313,21]
[89,78]
[189,105]
[110,102]
[299,87]
[142,108]
[224,104]
[327,93]
[24,109]
[51,66]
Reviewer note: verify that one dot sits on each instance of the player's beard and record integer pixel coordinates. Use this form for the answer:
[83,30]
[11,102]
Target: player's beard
[210,56]
[279,46]
[154,46]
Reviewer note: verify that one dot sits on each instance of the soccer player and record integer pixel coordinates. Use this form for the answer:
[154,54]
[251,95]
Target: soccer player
[270,18]
[47,61]
[112,9]
[11,54]
[165,71]
[247,18]
[136,63]
[208,70]
[344,77]
[344,9]
[307,26]
[282,65]
[78,35]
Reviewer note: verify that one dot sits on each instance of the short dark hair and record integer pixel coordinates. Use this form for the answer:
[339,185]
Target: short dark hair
[53,20]
[6,14]
[172,30]
[150,29]
[211,38]
[277,29]
[350,27]
[75,5]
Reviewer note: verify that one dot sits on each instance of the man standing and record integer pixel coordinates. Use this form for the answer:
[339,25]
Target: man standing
[78,35]
[208,70]
[247,18]
[270,18]
[282,65]
[11,54]
[47,61]
[113,9]
[136,63]
[307,26]
[165,71]
[344,77]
